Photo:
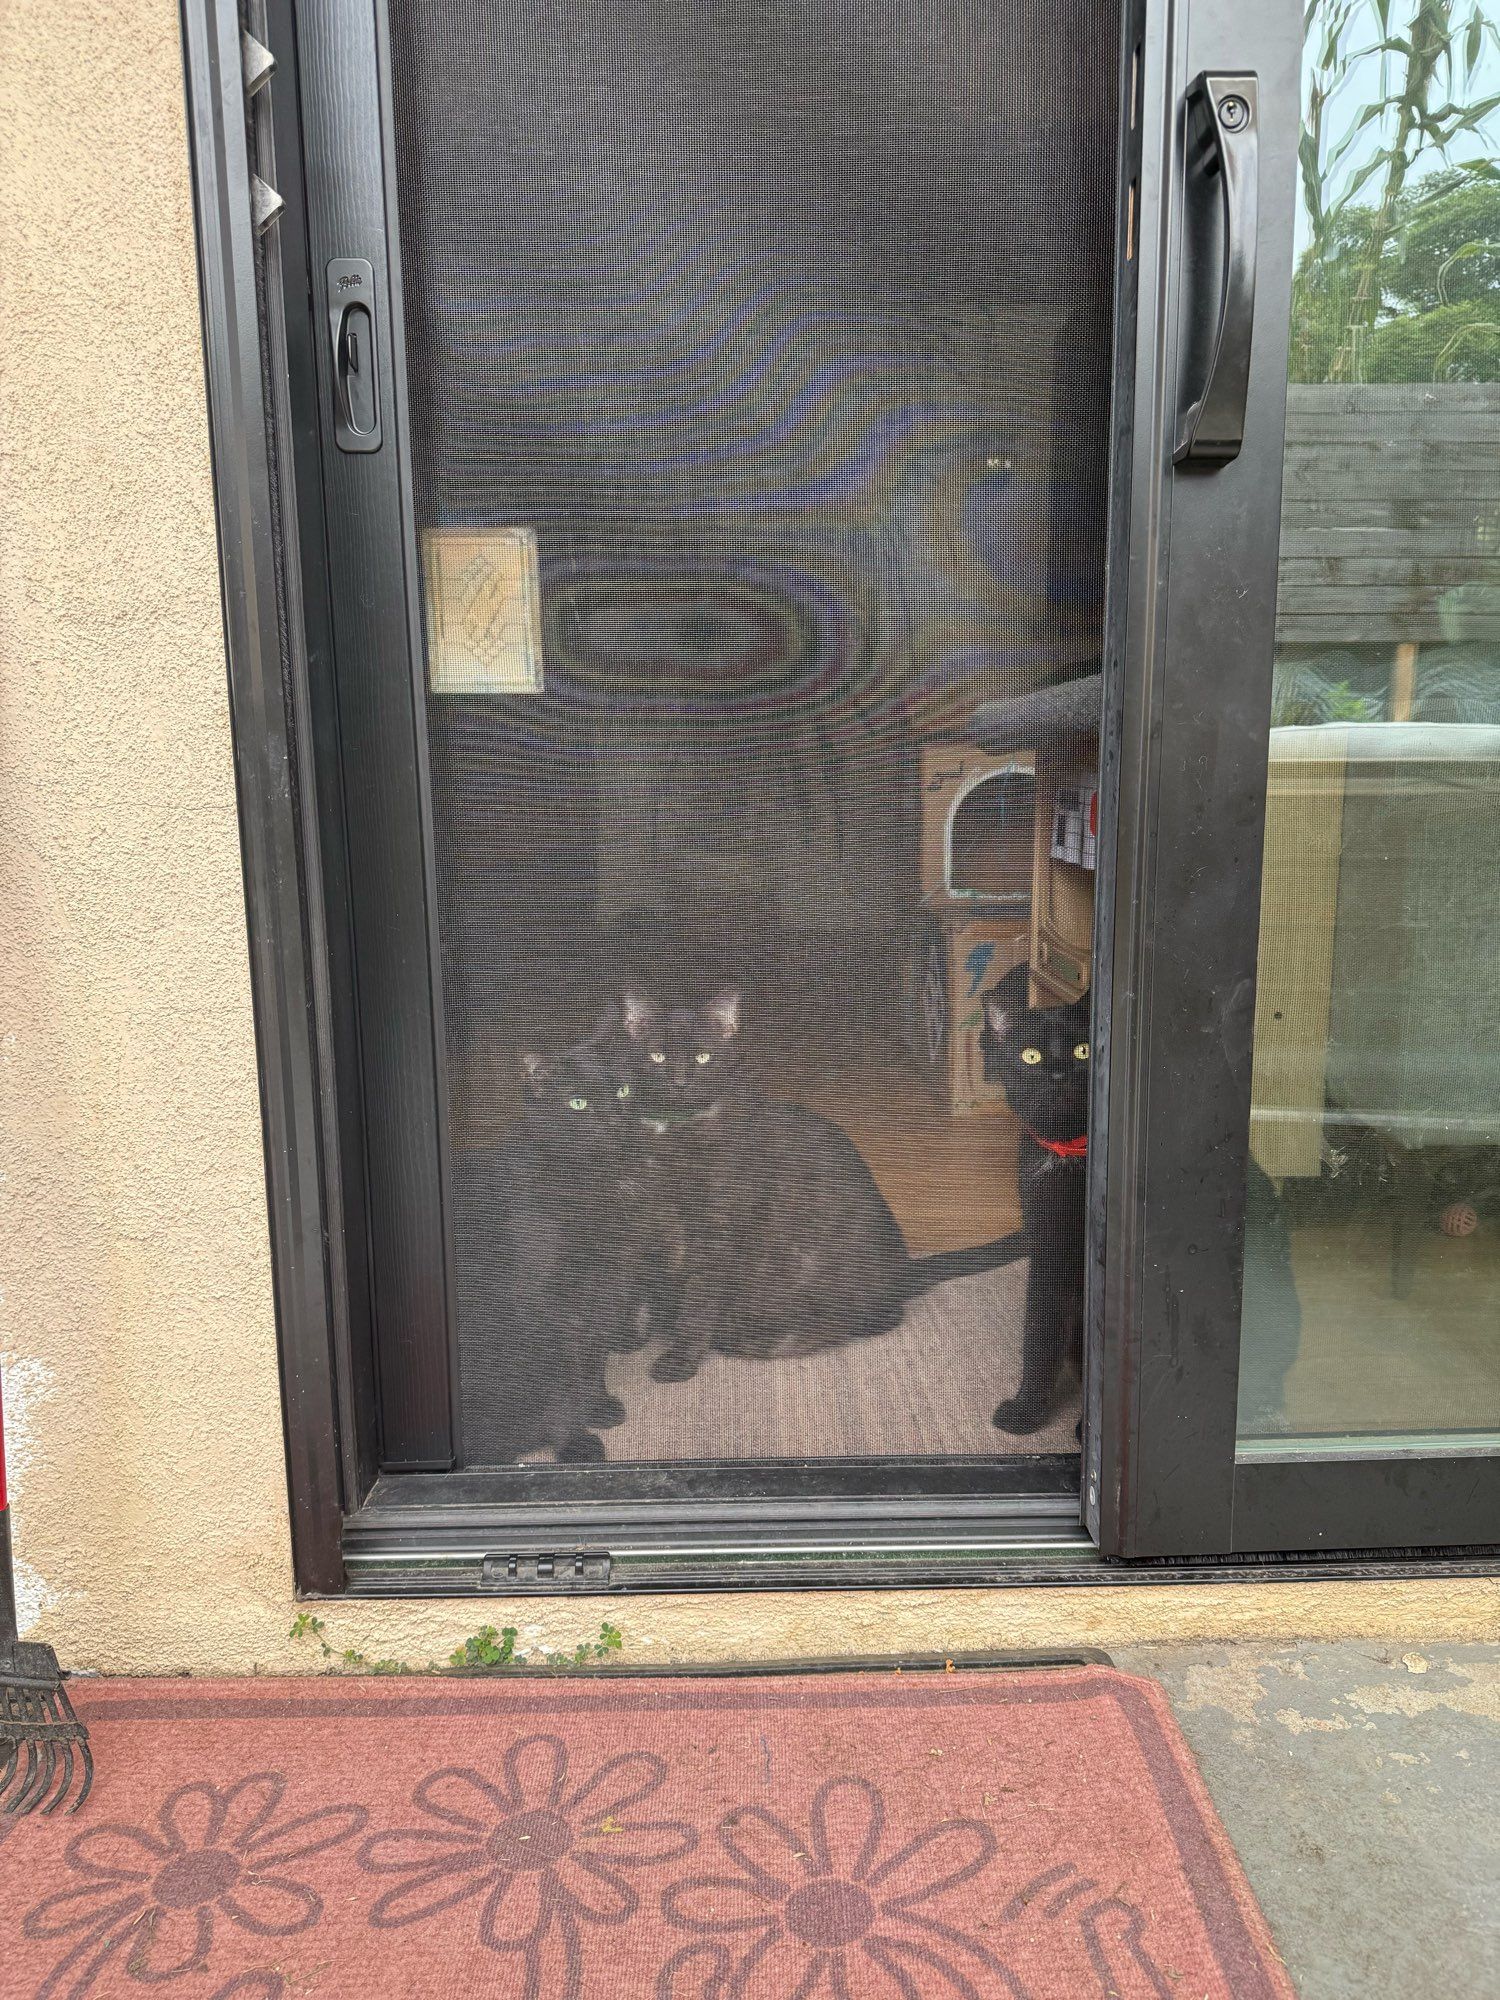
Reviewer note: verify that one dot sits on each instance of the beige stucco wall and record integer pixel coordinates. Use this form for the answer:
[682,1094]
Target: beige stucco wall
[135,1309]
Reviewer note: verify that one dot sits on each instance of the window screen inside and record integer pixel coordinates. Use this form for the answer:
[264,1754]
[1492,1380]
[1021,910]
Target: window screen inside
[759,361]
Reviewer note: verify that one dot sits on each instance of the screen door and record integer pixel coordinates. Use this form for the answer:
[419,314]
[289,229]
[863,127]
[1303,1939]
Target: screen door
[744,375]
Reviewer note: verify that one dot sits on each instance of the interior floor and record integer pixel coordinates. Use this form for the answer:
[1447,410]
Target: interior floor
[925,1390]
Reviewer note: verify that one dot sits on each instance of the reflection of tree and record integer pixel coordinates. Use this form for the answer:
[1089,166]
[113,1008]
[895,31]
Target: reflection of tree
[1401,289]
[1439,287]
[1320,689]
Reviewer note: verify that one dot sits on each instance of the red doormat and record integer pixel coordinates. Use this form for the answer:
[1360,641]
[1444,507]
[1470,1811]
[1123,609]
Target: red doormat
[1035,1835]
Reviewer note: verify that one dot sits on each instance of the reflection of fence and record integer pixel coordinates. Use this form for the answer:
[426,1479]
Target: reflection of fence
[1390,528]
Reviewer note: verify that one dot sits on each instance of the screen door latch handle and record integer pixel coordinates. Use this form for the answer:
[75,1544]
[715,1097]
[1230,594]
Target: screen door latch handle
[351,328]
[1223,117]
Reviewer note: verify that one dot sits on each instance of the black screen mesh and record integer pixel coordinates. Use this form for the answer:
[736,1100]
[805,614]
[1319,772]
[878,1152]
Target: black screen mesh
[777,337]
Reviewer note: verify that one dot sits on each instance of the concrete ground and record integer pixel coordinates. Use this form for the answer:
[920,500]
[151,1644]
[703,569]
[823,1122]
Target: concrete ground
[1361,1785]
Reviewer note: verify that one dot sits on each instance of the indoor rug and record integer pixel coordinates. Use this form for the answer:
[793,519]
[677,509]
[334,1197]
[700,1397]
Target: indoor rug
[1037,1834]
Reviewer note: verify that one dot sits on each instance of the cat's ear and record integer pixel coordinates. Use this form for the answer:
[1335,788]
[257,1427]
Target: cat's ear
[608,1021]
[722,1013]
[535,1068]
[996,1015]
[638,1013]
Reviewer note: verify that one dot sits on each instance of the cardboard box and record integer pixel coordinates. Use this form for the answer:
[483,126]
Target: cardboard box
[952,961]
[978,811]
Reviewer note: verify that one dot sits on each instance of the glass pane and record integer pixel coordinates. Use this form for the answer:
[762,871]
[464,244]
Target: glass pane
[759,360]
[1372,1260]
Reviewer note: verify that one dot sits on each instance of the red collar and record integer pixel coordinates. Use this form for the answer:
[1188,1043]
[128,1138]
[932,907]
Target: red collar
[1065,1149]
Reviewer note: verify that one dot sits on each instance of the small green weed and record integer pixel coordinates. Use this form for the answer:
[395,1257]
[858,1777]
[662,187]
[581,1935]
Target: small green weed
[306,1626]
[484,1651]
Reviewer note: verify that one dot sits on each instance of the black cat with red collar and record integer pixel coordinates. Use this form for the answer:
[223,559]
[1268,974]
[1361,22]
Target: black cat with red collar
[1040,1055]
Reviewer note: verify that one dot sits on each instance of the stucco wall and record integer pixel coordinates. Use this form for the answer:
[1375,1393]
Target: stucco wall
[135,1311]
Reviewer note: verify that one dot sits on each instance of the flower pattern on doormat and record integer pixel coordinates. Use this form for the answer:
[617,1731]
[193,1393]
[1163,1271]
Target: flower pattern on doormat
[842,1911]
[150,1902]
[1015,1836]
[541,1857]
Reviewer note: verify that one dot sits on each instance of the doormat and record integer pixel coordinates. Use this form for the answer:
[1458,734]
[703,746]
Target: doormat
[1034,1835]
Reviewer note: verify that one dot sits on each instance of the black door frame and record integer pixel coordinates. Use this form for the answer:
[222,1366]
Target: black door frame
[337,954]
[1189,664]
[282,857]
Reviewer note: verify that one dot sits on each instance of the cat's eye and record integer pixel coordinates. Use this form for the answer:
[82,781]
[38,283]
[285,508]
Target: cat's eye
[578,1104]
[1031,1056]
[623,1091]
[1081,1052]
[658,1055]
[703,1056]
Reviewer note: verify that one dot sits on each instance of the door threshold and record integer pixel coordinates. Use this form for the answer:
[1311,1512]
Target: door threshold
[411,1539]
[1033,1555]
[757,1528]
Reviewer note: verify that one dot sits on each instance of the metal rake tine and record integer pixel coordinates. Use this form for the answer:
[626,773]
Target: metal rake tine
[53,1764]
[88,1774]
[47,1789]
[64,1783]
[12,1753]
[23,1763]
[22,1802]
[44,1759]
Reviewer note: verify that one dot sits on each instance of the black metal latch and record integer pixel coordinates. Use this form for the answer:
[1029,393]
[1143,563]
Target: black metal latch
[546,1570]
[352,345]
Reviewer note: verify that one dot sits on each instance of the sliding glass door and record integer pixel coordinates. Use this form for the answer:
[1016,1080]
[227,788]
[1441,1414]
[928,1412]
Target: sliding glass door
[1335,1383]
[906,724]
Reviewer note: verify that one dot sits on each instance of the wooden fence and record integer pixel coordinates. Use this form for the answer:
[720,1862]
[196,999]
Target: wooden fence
[1390,529]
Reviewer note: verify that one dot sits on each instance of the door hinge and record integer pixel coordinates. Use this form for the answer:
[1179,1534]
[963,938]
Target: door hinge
[547,1570]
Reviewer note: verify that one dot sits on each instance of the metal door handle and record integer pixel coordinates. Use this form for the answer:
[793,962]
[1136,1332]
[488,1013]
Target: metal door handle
[1223,144]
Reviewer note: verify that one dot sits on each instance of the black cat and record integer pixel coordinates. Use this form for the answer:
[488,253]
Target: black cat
[1041,1057]
[763,1225]
[546,1294]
